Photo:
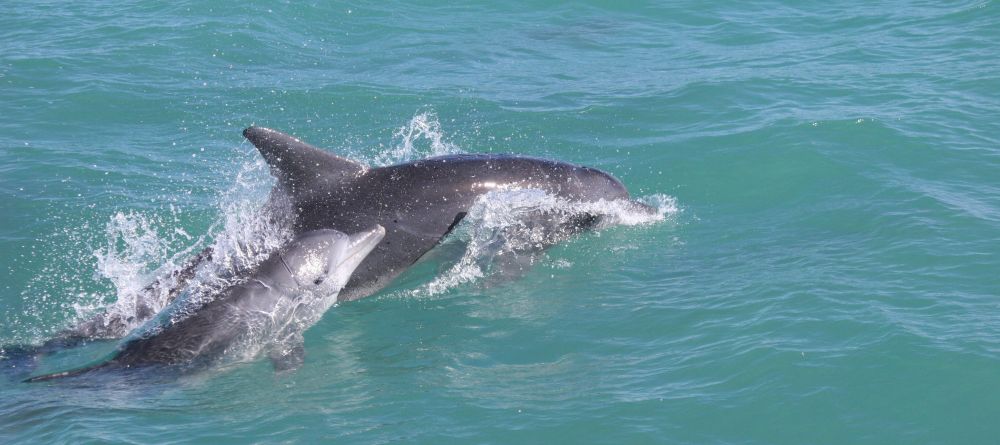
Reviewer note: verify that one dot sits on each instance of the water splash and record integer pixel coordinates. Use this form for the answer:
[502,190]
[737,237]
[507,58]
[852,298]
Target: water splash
[422,137]
[133,242]
[137,251]
[506,230]
[252,226]
[142,248]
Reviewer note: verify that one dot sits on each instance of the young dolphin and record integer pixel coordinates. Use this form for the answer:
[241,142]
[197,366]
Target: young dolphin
[288,293]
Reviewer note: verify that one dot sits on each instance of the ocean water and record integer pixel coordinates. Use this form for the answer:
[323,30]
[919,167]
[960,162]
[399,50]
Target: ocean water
[823,268]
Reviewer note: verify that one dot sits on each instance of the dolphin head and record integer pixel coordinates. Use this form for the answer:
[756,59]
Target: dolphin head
[323,260]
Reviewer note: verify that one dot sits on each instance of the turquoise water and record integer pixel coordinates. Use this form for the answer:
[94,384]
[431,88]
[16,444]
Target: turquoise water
[824,271]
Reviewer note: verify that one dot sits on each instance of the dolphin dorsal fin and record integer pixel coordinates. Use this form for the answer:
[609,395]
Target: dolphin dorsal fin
[297,164]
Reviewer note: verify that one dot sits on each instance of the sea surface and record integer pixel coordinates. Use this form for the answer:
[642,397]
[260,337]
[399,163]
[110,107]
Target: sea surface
[823,267]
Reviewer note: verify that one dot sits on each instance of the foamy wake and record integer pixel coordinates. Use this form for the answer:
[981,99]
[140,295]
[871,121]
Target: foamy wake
[502,230]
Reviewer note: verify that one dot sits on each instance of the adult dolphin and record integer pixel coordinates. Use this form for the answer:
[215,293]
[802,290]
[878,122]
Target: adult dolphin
[417,202]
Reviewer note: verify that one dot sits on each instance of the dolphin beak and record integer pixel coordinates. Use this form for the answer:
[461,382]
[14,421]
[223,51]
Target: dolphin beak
[361,244]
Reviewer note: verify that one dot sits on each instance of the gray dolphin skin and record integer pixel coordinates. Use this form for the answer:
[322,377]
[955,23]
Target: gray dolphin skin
[287,294]
[417,202]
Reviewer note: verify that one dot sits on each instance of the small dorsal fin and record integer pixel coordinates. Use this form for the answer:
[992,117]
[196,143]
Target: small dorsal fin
[295,163]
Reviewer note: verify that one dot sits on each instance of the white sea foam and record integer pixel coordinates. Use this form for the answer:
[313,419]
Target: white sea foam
[137,250]
[502,230]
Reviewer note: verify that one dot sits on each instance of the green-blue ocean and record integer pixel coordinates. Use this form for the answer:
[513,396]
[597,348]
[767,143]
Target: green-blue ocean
[823,267]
